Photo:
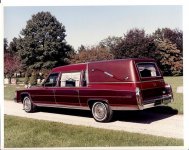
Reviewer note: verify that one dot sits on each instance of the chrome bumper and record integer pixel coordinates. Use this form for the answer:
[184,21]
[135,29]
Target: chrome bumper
[157,102]
[164,100]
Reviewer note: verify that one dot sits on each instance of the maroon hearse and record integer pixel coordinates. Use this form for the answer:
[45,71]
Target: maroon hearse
[102,87]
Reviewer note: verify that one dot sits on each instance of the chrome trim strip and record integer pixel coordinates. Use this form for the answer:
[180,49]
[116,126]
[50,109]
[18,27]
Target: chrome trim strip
[141,107]
[93,96]
[62,106]
[150,105]
[153,105]
[42,95]
[87,74]
[161,98]
[131,107]
[124,82]
[111,82]
[151,80]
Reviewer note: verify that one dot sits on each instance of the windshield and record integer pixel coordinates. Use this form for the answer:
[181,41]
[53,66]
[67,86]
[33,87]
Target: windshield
[148,70]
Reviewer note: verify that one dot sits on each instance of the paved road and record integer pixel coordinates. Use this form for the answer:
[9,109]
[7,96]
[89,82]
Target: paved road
[146,122]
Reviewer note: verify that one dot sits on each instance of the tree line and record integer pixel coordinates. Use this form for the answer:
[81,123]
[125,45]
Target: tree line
[42,46]
[164,45]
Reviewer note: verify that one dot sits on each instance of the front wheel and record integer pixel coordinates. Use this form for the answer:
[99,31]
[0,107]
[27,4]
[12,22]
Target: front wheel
[28,105]
[102,112]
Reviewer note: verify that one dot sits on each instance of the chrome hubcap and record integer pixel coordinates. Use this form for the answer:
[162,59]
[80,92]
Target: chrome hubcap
[27,104]
[100,111]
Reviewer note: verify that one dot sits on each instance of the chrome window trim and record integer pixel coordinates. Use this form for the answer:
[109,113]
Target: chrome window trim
[125,82]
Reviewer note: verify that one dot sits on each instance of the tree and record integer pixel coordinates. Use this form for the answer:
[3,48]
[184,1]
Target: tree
[33,79]
[88,54]
[42,44]
[169,52]
[135,44]
[169,58]
[110,42]
[13,46]
[81,48]
[12,64]
[5,45]
[173,35]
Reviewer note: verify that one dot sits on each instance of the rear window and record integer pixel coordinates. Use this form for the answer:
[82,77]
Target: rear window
[148,70]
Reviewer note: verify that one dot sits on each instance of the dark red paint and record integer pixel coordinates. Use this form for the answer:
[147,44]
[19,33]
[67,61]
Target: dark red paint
[113,82]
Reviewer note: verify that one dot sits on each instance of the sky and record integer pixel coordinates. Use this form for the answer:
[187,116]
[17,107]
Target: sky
[88,25]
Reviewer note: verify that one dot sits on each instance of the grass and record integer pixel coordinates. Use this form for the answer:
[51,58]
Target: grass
[9,91]
[178,97]
[20,80]
[22,132]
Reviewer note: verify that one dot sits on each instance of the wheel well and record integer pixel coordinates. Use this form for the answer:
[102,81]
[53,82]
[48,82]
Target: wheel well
[23,95]
[91,102]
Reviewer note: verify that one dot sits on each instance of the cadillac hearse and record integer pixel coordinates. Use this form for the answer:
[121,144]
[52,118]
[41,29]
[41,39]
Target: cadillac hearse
[102,87]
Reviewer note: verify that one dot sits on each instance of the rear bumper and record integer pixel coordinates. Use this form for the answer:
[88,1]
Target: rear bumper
[164,100]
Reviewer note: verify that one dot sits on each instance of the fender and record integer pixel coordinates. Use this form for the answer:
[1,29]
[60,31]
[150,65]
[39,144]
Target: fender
[92,100]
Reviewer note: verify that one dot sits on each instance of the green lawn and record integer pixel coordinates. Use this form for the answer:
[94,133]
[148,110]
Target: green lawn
[9,91]
[178,97]
[22,132]
[20,80]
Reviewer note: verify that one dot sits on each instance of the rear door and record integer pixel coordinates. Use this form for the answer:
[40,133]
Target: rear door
[68,91]
[151,81]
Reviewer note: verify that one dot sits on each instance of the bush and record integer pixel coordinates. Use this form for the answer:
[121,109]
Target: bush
[26,79]
[33,79]
[45,73]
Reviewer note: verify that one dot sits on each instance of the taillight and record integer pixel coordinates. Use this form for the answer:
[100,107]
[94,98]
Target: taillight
[139,98]
[168,89]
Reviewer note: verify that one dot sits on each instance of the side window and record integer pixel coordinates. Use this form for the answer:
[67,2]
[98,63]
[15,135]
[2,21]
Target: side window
[70,79]
[51,80]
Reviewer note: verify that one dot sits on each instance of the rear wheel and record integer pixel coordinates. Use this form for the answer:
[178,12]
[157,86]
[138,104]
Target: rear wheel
[101,112]
[28,105]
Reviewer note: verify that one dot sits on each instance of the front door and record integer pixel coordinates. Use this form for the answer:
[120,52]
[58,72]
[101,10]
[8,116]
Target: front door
[45,95]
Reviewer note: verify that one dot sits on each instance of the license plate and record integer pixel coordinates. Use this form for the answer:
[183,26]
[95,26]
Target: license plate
[166,101]
[157,102]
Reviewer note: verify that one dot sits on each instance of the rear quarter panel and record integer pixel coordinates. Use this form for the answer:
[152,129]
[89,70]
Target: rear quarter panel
[114,96]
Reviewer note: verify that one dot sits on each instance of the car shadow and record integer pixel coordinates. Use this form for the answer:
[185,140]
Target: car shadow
[146,116]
